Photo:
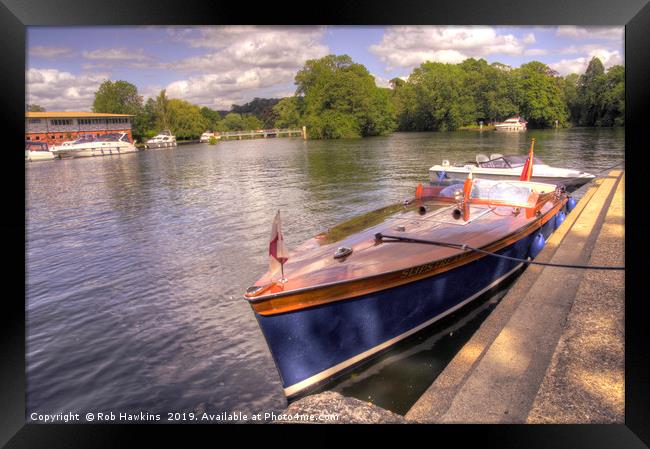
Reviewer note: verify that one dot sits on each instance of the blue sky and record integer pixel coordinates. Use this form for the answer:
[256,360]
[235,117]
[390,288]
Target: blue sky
[218,66]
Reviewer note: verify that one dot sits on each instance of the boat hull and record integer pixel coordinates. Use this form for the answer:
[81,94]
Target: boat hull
[313,345]
[95,151]
[570,184]
[33,156]
[156,145]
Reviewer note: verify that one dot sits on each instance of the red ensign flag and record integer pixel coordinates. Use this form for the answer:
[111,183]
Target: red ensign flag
[527,172]
[278,253]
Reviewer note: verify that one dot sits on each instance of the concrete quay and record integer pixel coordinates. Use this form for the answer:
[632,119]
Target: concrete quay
[552,351]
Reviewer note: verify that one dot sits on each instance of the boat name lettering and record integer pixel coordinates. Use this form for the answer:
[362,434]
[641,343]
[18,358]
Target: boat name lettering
[428,267]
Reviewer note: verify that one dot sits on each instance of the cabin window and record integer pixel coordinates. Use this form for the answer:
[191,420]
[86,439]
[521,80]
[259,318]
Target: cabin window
[28,138]
[38,137]
[34,120]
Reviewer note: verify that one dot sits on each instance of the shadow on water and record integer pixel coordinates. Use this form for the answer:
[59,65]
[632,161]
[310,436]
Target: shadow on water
[395,379]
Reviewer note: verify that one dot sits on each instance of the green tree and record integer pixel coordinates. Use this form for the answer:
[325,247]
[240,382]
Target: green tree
[212,117]
[439,99]
[163,113]
[185,119]
[233,122]
[541,100]
[262,108]
[121,97]
[614,97]
[289,112]
[601,95]
[251,122]
[341,99]
[570,90]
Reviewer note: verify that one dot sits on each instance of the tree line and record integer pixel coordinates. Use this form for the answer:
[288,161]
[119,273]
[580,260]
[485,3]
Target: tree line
[338,98]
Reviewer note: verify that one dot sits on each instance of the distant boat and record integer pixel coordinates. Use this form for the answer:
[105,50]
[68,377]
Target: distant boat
[356,290]
[205,137]
[88,145]
[501,167]
[512,124]
[37,151]
[163,140]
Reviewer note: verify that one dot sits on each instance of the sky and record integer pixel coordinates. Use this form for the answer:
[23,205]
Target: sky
[218,66]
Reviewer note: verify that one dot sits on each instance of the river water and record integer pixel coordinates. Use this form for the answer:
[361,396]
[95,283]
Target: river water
[136,264]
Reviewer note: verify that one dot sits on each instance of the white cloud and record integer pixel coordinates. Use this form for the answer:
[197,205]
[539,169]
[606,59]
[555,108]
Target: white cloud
[535,52]
[62,91]
[591,32]
[408,46]
[242,62]
[579,65]
[529,39]
[246,46]
[50,52]
[116,54]
[221,90]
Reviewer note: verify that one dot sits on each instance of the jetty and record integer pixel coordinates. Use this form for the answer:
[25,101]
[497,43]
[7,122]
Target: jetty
[263,133]
[552,350]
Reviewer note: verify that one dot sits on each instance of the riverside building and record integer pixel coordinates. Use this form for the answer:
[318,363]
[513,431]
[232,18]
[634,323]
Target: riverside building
[58,127]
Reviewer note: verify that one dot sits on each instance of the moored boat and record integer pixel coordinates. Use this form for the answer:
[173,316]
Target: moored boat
[205,137]
[37,151]
[163,140]
[499,167]
[511,124]
[88,145]
[354,291]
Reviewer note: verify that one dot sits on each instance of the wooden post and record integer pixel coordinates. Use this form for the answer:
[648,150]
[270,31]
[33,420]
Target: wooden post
[304,132]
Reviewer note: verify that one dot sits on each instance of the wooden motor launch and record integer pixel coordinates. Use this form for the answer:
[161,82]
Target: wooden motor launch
[355,290]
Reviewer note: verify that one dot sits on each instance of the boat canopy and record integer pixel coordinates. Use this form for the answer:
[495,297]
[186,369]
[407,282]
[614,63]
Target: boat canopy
[113,137]
[85,138]
[513,161]
[35,146]
[490,192]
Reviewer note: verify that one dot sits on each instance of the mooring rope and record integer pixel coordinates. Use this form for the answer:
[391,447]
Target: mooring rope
[379,236]
[609,168]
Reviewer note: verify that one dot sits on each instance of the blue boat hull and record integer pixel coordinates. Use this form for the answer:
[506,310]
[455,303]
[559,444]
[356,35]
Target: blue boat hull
[310,346]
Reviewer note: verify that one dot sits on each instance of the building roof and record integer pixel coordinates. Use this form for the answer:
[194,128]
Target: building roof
[72,115]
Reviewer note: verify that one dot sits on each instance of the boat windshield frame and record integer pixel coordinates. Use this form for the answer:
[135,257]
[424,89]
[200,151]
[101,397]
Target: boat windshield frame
[511,161]
[113,137]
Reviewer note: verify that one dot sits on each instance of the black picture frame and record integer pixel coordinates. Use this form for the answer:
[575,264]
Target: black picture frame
[16,15]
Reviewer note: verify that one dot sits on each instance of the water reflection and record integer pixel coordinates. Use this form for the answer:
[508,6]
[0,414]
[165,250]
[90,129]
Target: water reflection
[136,263]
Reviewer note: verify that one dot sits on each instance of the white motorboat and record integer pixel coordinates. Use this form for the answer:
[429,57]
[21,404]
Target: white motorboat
[37,151]
[512,124]
[205,137]
[163,140]
[89,145]
[499,167]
